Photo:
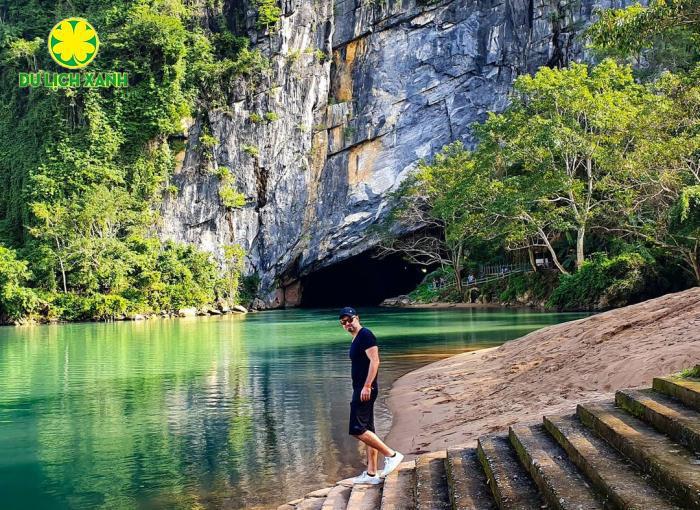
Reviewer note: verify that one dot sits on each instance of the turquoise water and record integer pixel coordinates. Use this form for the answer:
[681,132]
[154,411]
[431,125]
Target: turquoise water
[215,412]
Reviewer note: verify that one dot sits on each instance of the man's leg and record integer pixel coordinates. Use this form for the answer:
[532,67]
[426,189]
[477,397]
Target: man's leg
[370,439]
[372,455]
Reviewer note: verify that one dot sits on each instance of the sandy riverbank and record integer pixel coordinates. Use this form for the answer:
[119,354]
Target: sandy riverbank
[549,371]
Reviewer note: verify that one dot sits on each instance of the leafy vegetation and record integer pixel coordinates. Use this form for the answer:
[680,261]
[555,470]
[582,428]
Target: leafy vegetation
[229,195]
[690,373]
[82,171]
[589,167]
[269,13]
[604,282]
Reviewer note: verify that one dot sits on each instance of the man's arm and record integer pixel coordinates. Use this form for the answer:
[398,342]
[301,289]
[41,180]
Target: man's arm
[373,355]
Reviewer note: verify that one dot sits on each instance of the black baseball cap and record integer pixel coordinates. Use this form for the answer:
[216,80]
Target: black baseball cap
[349,311]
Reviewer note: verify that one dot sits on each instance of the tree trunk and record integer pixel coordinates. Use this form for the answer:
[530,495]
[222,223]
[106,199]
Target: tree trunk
[580,235]
[531,255]
[63,275]
[60,263]
[695,263]
[555,259]
[457,266]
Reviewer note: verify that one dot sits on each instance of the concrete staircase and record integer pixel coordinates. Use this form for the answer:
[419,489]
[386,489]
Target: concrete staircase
[641,452]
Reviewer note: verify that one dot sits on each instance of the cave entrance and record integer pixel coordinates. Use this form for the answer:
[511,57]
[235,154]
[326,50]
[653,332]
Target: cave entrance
[360,281]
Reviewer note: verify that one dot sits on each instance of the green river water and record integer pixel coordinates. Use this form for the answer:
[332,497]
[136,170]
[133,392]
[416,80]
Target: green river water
[215,412]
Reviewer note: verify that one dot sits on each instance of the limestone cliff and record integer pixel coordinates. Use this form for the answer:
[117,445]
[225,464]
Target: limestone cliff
[358,92]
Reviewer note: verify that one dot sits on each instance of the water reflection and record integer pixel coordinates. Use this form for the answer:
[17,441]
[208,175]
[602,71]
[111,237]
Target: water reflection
[225,412]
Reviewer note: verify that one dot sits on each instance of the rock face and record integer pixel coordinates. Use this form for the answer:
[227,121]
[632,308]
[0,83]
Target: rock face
[358,92]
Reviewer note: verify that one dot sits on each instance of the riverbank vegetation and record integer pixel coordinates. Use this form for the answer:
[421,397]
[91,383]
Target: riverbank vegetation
[84,170]
[592,171]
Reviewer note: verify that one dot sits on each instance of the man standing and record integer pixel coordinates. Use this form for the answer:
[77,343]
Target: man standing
[364,355]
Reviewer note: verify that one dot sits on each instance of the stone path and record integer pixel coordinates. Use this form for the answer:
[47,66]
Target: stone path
[640,452]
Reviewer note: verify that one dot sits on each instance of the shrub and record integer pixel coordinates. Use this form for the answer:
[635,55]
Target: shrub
[427,291]
[248,288]
[16,300]
[690,373]
[528,287]
[320,55]
[230,197]
[207,140]
[268,13]
[602,283]
[102,307]
[251,150]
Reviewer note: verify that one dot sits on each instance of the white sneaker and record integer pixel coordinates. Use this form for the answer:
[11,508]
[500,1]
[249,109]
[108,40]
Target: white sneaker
[391,463]
[365,478]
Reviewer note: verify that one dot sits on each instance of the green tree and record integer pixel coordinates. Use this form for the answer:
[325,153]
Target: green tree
[635,27]
[82,171]
[52,225]
[559,150]
[448,201]
[234,261]
[16,300]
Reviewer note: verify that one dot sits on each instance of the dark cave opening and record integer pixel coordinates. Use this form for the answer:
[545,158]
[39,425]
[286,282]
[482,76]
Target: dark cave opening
[361,280]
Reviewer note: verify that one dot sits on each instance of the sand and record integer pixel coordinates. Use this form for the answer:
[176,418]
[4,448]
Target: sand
[454,401]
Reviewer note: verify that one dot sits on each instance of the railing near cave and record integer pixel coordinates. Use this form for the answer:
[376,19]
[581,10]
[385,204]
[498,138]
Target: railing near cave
[491,272]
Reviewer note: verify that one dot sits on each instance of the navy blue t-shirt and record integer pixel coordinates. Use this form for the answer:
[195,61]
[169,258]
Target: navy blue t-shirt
[360,362]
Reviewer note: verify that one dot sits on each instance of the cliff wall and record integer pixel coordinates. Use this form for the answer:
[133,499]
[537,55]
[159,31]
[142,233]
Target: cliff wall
[358,92]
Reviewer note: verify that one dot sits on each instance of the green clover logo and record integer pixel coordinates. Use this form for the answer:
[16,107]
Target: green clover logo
[73,43]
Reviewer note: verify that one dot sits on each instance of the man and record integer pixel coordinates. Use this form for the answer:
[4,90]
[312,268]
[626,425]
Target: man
[364,356]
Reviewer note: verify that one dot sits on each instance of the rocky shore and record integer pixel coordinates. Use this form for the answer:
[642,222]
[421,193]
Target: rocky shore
[217,309]
[454,401]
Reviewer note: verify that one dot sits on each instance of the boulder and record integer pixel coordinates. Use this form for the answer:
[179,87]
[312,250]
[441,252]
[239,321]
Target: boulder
[222,306]
[187,312]
[258,304]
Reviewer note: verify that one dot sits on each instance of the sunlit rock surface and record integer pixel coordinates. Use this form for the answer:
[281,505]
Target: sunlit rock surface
[361,91]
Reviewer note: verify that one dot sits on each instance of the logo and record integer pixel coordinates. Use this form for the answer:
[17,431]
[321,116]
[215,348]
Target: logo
[73,43]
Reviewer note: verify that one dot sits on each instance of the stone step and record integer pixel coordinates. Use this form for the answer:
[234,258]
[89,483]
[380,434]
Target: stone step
[558,479]
[510,484]
[431,482]
[685,390]
[466,481]
[617,479]
[664,413]
[365,497]
[337,498]
[397,493]
[668,463]
[311,504]
[314,500]
[290,505]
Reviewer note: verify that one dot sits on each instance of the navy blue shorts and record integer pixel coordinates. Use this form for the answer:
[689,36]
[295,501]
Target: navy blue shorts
[362,413]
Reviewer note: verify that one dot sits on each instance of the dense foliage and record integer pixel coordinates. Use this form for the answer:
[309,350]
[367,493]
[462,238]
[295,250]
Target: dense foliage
[603,282]
[82,170]
[588,159]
